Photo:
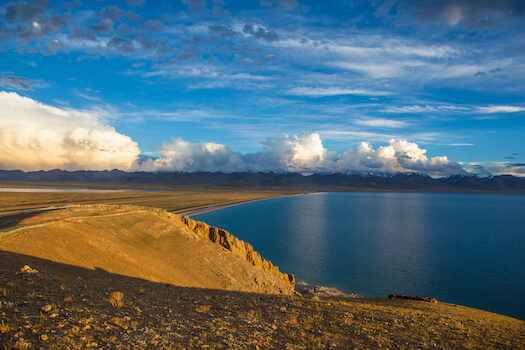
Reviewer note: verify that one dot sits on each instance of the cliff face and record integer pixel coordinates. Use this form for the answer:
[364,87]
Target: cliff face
[233,244]
[138,242]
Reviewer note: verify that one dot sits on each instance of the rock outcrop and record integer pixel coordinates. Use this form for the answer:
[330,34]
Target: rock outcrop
[233,244]
[304,288]
[412,297]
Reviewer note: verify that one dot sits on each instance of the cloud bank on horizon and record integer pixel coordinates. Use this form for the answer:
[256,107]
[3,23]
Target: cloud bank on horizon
[434,86]
[303,153]
[34,136]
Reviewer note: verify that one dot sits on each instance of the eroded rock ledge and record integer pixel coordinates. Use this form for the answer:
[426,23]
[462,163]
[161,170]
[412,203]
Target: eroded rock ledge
[233,244]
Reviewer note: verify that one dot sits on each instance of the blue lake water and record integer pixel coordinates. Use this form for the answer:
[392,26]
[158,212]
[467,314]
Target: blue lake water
[467,249]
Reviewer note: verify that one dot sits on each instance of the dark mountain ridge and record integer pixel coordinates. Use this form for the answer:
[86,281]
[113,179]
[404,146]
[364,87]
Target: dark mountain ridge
[351,181]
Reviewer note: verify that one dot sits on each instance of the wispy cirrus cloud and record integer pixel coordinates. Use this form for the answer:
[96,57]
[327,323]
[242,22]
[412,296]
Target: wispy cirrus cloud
[333,91]
[439,108]
[20,83]
[410,109]
[501,109]
[354,135]
[89,97]
[479,14]
[382,123]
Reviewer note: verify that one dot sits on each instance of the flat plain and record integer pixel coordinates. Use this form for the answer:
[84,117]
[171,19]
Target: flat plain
[180,200]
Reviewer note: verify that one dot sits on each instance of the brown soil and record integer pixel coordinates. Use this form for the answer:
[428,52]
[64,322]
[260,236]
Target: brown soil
[60,311]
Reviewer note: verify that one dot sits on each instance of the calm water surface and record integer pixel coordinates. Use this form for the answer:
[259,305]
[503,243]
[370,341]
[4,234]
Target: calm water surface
[459,248]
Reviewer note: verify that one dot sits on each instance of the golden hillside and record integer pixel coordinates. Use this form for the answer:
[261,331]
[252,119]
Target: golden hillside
[146,243]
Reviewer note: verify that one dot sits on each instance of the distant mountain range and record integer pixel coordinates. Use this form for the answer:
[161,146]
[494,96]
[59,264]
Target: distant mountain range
[350,181]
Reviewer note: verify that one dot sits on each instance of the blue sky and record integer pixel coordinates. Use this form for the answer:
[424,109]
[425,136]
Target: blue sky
[286,85]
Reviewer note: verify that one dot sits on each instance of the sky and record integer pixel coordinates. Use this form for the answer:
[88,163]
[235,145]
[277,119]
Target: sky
[429,86]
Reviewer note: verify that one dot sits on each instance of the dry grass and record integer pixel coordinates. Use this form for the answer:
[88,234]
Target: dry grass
[160,316]
[203,308]
[117,299]
[4,328]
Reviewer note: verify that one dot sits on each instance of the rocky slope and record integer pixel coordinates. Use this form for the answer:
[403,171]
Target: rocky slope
[233,244]
[48,310]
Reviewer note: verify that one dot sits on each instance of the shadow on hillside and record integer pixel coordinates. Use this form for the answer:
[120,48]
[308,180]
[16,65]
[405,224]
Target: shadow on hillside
[12,263]
[56,309]
[11,220]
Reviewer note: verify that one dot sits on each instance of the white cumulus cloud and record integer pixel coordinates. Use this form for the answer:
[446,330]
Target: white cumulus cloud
[293,153]
[35,136]
[398,156]
[180,155]
[303,153]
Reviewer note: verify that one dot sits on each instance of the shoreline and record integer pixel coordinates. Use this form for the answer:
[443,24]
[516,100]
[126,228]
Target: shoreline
[208,209]
[301,287]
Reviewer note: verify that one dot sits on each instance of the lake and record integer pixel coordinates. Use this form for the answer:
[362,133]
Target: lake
[466,249]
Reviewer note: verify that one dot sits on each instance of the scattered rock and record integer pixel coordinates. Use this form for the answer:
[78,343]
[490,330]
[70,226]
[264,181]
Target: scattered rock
[234,320]
[412,297]
[309,289]
[28,269]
